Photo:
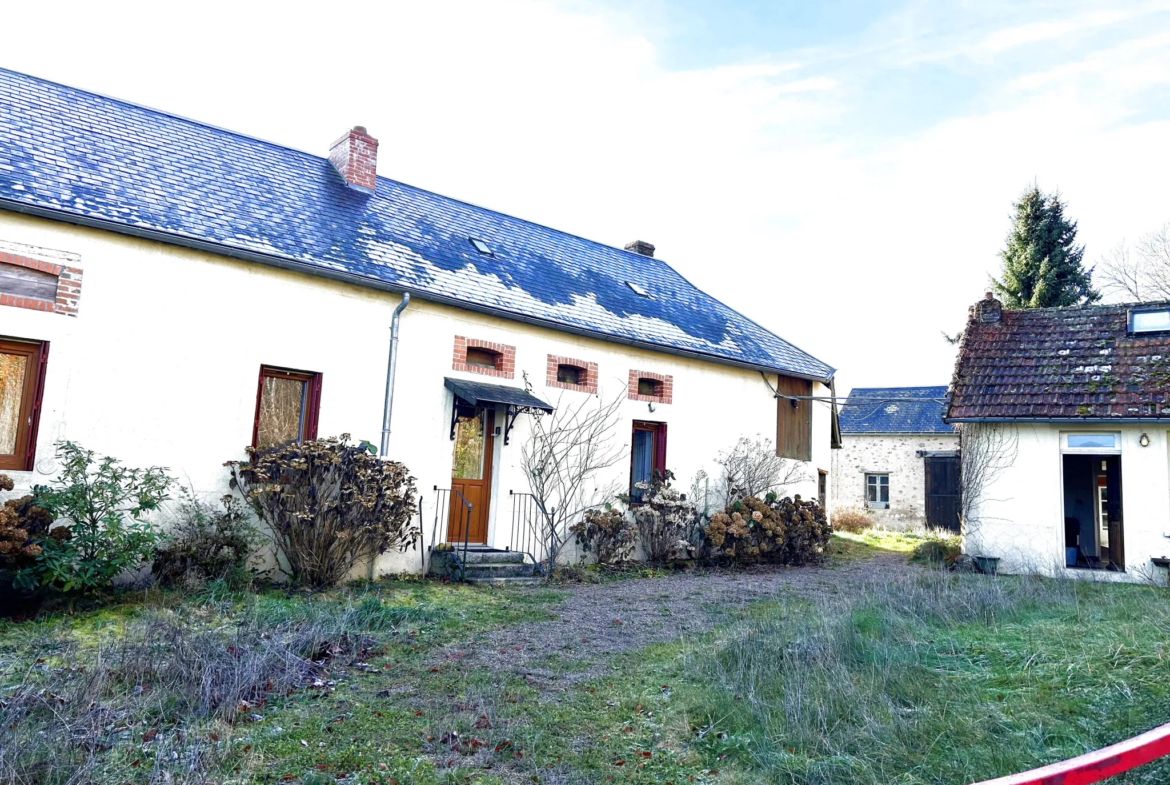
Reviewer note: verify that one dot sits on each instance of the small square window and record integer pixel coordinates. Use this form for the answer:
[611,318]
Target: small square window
[569,374]
[480,246]
[651,387]
[483,358]
[638,290]
[877,491]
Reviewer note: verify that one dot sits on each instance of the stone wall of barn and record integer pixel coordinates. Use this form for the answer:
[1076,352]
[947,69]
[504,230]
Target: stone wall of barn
[897,456]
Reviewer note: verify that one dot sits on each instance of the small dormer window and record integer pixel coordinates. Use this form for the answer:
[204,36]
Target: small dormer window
[651,387]
[1150,321]
[483,358]
[480,246]
[638,290]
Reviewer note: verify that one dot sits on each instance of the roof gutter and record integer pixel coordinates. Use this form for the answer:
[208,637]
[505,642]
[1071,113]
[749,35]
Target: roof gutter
[322,272]
[1062,420]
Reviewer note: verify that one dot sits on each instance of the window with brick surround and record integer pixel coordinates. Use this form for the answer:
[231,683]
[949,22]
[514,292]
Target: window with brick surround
[39,285]
[569,373]
[651,387]
[287,405]
[22,383]
[475,355]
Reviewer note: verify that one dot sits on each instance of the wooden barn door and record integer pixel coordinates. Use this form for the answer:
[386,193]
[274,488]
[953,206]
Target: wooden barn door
[942,492]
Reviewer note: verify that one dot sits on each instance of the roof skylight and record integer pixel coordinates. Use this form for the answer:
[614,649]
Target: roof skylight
[480,246]
[638,290]
[1149,321]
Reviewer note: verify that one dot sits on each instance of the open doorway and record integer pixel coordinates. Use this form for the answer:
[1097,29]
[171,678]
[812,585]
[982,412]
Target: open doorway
[1094,535]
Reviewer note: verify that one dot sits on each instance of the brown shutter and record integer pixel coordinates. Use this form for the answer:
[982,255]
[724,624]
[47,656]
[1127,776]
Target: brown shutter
[314,408]
[34,418]
[660,449]
[794,419]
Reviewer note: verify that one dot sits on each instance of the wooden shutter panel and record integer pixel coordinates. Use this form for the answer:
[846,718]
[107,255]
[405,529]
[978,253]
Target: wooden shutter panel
[793,422]
[660,449]
[34,418]
[313,408]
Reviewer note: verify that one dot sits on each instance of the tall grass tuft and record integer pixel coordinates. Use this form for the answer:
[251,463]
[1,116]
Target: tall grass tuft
[932,678]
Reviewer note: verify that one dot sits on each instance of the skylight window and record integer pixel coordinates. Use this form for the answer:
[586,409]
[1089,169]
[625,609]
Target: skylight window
[638,290]
[480,246]
[1149,321]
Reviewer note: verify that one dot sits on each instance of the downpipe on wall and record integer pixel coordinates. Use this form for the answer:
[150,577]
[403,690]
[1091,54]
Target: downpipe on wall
[392,366]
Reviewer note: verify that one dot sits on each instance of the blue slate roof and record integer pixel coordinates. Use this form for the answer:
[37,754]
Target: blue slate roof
[887,410]
[81,157]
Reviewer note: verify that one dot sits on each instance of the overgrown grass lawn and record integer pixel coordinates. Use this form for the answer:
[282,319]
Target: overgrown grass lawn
[922,677]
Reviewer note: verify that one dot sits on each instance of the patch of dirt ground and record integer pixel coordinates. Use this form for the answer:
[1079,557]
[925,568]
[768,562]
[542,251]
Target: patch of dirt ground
[597,621]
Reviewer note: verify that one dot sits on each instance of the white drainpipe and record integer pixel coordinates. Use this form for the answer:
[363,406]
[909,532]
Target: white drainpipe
[393,364]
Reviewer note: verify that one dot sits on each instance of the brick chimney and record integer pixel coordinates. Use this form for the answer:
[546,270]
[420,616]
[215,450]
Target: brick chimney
[355,157]
[988,310]
[641,247]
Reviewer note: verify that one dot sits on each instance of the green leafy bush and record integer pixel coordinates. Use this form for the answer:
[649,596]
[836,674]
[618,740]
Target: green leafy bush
[329,505]
[787,531]
[207,543]
[608,534]
[938,549]
[104,505]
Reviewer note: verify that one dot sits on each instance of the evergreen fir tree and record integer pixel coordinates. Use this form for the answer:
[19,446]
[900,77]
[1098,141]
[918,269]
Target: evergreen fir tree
[1042,263]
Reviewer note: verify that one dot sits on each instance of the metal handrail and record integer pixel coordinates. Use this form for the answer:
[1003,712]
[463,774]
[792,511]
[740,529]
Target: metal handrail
[460,559]
[422,552]
[525,538]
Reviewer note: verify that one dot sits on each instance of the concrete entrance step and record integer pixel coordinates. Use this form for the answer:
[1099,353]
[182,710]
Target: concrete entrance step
[483,565]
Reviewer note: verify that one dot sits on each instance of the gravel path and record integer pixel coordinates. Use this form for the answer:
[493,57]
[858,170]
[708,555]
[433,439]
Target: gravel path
[598,621]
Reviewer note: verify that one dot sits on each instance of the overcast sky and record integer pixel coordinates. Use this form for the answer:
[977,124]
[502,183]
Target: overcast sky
[842,172]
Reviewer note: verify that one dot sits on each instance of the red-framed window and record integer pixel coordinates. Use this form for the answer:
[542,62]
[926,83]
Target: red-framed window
[651,387]
[287,405]
[569,373]
[647,455]
[22,385]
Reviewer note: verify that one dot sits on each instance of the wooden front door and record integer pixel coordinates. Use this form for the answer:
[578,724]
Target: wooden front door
[943,492]
[471,476]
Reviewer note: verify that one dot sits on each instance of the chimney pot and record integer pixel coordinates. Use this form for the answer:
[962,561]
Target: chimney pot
[641,247]
[355,157]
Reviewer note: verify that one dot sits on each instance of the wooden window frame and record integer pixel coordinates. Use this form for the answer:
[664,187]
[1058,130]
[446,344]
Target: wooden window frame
[657,461]
[312,399]
[37,352]
[505,367]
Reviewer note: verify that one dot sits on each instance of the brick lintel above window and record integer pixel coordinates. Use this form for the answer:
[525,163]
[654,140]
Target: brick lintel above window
[650,387]
[568,373]
[475,355]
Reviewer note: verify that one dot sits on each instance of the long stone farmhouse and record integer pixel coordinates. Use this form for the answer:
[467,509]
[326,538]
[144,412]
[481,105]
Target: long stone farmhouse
[1065,414]
[171,292]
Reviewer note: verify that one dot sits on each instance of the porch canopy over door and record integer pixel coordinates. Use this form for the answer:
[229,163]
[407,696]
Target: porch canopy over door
[482,396]
[473,429]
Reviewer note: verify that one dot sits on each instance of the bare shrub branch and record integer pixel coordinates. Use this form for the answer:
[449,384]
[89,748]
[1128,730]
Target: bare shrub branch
[562,458]
[1141,274]
[985,450]
[752,468]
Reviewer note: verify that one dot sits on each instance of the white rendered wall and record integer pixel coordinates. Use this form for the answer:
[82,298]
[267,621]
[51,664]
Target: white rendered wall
[1021,516]
[896,455]
[160,367]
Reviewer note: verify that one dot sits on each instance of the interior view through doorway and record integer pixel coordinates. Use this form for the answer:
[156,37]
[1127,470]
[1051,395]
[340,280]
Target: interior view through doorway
[1094,536]
[471,474]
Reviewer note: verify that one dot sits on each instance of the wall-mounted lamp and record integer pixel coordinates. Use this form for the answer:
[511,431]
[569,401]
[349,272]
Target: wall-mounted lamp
[651,406]
[1144,440]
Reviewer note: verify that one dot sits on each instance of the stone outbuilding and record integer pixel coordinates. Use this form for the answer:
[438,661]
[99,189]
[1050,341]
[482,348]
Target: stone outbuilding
[898,459]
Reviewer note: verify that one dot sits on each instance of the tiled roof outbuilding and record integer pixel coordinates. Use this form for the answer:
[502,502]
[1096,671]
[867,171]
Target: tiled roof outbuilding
[873,410]
[80,157]
[1077,363]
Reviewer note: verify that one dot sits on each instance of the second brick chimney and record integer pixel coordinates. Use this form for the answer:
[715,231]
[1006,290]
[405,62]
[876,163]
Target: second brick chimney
[355,157]
[641,247]
[988,310]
